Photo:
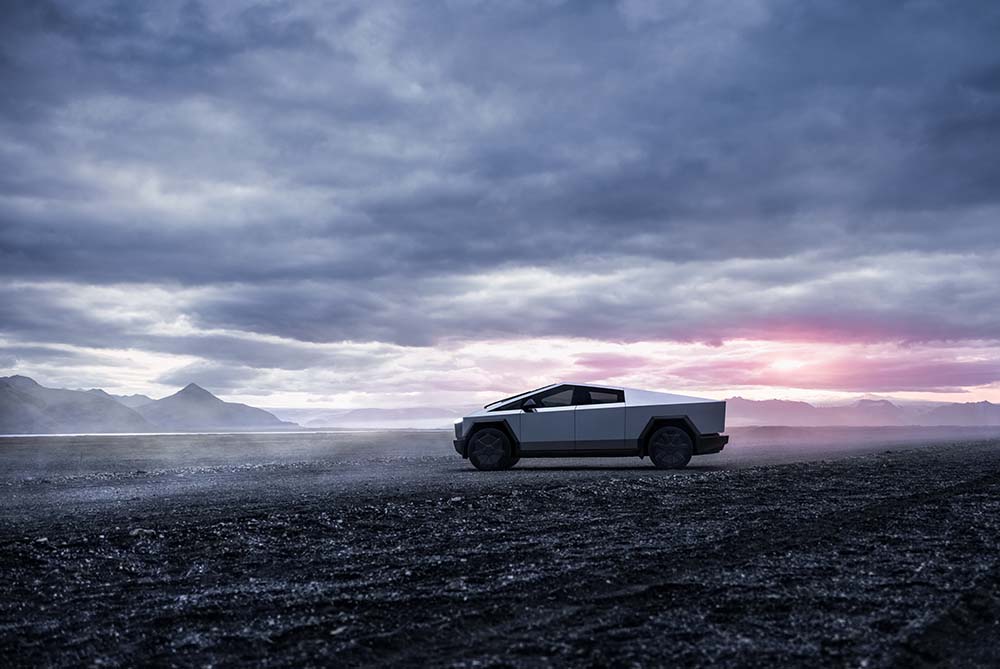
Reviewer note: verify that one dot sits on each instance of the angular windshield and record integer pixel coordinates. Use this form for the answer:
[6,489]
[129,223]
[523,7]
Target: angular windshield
[518,396]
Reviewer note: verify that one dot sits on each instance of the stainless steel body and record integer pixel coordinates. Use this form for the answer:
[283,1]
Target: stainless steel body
[592,419]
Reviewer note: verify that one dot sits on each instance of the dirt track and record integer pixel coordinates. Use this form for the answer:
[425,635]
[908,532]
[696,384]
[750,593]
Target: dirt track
[877,560]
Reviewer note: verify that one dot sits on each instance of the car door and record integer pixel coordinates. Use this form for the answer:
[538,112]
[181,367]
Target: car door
[600,419]
[550,426]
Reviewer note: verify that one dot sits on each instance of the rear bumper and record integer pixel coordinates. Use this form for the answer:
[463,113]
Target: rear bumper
[711,443]
[459,446]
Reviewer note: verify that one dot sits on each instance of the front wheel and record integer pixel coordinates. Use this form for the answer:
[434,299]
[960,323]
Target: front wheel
[670,448]
[489,450]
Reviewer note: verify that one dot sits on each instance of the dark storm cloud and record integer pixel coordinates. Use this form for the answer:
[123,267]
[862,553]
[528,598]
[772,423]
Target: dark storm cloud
[14,355]
[346,174]
[221,378]
[61,315]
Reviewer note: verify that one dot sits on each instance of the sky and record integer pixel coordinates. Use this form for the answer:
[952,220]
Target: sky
[323,204]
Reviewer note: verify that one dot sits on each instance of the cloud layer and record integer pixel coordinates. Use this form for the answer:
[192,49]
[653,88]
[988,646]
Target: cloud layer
[250,194]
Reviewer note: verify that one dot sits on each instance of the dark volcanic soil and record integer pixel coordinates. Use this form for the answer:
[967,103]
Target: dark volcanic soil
[886,559]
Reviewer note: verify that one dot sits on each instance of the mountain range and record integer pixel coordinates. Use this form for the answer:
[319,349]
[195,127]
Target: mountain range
[26,407]
[862,413]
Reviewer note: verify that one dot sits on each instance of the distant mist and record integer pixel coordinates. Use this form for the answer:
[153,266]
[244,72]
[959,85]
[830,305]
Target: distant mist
[27,407]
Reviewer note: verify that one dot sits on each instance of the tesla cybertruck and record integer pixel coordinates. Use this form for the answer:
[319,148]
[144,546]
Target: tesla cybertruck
[582,420]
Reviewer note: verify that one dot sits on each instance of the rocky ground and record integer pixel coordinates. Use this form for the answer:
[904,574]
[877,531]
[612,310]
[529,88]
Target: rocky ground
[884,559]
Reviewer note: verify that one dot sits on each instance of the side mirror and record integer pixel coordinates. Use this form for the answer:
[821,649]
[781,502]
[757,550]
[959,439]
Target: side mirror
[529,405]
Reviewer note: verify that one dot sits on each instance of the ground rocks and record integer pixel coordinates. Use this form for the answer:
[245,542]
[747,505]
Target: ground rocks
[878,560]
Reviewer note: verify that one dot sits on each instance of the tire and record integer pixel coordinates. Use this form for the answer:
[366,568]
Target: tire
[512,460]
[670,448]
[489,450]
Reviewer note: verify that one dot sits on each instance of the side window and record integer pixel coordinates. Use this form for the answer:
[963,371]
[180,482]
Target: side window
[604,397]
[601,396]
[563,396]
[560,397]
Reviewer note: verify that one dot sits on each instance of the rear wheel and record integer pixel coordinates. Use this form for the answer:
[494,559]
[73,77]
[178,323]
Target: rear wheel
[489,450]
[670,448]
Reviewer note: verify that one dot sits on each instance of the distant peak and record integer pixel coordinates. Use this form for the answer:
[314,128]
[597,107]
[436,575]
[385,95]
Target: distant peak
[194,389]
[22,381]
[874,403]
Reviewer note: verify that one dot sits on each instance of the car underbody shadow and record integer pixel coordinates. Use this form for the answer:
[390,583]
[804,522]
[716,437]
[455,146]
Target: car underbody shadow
[528,468]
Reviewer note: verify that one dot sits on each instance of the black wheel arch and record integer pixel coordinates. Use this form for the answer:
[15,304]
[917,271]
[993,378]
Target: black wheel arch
[656,422]
[498,424]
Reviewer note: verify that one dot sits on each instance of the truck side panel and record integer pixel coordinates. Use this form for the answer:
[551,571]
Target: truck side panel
[707,417]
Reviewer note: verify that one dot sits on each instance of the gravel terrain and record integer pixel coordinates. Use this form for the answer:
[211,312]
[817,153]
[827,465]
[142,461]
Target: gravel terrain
[294,553]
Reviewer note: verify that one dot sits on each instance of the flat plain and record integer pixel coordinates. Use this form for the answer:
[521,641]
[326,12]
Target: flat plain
[794,546]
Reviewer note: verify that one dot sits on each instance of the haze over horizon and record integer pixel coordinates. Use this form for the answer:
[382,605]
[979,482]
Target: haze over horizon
[387,205]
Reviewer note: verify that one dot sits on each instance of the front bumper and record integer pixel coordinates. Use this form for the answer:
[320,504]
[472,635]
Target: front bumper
[459,446]
[711,443]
